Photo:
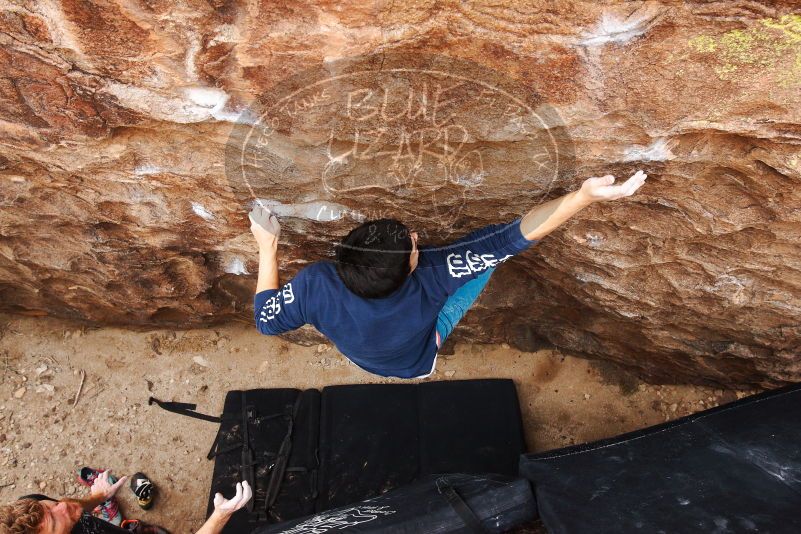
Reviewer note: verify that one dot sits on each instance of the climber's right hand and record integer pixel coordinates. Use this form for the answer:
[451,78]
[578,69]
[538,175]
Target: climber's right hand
[265,226]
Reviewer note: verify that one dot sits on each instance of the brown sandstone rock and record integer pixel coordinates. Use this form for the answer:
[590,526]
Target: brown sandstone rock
[124,176]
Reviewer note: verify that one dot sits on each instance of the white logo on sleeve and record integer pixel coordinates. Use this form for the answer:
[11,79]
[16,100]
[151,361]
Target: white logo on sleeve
[459,266]
[289,297]
[272,306]
[456,266]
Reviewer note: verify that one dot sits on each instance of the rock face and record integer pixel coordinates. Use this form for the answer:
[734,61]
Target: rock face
[136,133]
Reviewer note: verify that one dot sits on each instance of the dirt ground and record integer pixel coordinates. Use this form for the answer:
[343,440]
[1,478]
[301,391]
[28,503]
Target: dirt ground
[44,438]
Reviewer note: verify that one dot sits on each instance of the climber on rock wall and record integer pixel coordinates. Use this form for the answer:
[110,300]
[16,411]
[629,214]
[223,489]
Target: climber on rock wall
[387,304]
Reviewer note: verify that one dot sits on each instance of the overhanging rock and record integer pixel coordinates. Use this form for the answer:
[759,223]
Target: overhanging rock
[123,201]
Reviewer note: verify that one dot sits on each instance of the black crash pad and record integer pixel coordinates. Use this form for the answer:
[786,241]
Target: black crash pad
[269,414]
[376,437]
[731,469]
[351,443]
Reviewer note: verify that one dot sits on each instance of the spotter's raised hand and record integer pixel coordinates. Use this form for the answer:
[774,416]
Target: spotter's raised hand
[226,507]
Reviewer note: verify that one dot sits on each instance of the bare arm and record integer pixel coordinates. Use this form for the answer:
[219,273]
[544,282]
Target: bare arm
[545,218]
[102,490]
[91,502]
[268,268]
[266,230]
[214,523]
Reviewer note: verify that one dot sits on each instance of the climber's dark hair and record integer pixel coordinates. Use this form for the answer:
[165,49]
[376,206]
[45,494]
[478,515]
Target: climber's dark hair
[373,259]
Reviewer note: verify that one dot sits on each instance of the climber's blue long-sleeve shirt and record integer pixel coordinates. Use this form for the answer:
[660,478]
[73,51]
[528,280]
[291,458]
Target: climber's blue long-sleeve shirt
[392,336]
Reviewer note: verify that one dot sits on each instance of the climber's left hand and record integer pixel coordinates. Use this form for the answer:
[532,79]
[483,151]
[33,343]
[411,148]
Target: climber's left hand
[598,189]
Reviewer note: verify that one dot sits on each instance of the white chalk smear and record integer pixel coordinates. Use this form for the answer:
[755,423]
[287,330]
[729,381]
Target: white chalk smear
[611,29]
[236,266]
[147,169]
[226,33]
[594,240]
[201,361]
[724,280]
[656,151]
[590,278]
[471,179]
[721,525]
[313,211]
[201,211]
[766,460]
[215,100]
[196,104]
[732,288]
[191,54]
[208,97]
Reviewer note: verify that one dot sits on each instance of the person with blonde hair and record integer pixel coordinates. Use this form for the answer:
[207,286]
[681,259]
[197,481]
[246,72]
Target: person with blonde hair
[38,514]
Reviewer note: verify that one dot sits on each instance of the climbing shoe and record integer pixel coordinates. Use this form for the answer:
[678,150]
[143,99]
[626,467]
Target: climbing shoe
[144,490]
[109,510]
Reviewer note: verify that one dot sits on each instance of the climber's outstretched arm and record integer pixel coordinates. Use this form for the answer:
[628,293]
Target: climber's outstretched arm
[546,217]
[268,268]
[266,230]
[275,310]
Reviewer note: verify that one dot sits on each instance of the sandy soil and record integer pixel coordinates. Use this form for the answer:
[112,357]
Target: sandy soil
[44,438]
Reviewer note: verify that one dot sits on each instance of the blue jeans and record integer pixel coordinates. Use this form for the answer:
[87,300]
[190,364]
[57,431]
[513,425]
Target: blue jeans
[457,304]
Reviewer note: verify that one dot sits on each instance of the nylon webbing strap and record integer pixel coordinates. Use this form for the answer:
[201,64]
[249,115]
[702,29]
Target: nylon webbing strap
[280,466]
[462,510]
[184,408]
[247,466]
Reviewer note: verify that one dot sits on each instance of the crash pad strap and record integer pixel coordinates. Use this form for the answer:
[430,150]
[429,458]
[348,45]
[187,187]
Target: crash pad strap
[282,459]
[460,507]
[183,408]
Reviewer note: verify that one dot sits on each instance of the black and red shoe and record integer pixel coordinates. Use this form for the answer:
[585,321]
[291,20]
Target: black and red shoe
[144,490]
[109,510]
